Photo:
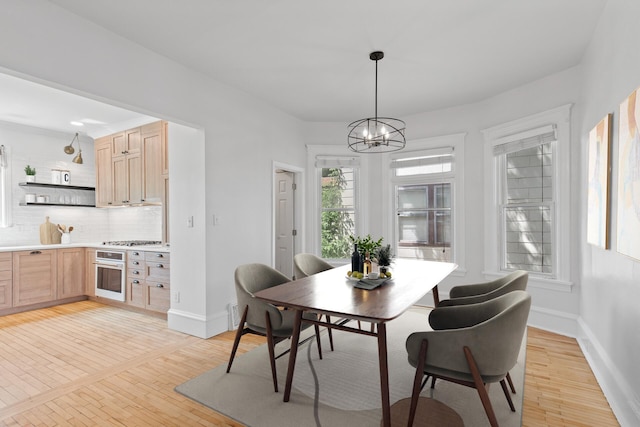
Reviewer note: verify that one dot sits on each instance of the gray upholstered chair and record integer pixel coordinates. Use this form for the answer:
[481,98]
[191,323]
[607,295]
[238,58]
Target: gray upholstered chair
[472,345]
[480,292]
[262,318]
[306,265]
[470,294]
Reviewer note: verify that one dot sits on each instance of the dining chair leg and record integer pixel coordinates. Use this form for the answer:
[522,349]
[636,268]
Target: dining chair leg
[503,384]
[271,345]
[317,328]
[480,387]
[330,332]
[513,389]
[415,394]
[236,341]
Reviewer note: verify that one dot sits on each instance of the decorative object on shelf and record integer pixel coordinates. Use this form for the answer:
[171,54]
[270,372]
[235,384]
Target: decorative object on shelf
[384,258]
[55,176]
[65,177]
[376,134]
[30,173]
[70,150]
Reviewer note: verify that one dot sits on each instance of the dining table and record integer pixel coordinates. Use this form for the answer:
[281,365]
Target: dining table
[335,293]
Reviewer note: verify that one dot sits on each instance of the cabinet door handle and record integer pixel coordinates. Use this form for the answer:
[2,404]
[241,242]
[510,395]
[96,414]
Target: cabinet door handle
[136,263]
[35,252]
[159,255]
[136,253]
[136,282]
[159,285]
[159,265]
[135,272]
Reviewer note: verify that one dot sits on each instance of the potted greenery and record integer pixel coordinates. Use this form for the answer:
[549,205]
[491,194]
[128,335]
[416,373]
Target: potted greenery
[366,244]
[30,173]
[384,258]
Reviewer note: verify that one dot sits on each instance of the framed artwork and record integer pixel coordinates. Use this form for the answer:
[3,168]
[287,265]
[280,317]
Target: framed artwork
[598,195]
[629,177]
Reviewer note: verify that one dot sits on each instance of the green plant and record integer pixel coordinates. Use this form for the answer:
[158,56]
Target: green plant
[367,244]
[384,256]
[28,170]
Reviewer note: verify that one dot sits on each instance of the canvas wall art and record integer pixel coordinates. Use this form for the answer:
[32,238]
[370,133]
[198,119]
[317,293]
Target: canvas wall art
[628,235]
[598,195]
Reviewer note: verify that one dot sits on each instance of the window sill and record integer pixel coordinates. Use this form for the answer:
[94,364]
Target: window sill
[537,282]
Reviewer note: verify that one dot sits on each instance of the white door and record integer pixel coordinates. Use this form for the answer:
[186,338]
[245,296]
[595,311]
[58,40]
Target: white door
[285,232]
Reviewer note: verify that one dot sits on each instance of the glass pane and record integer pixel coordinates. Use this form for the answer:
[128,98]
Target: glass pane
[530,175]
[337,226]
[424,221]
[337,188]
[528,239]
[412,197]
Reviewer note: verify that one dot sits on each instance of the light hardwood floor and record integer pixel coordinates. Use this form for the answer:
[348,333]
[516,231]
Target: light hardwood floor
[88,364]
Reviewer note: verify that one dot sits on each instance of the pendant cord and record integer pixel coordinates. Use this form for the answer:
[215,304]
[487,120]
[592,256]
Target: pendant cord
[376,109]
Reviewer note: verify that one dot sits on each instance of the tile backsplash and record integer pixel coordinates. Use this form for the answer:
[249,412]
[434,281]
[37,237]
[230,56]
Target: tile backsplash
[43,150]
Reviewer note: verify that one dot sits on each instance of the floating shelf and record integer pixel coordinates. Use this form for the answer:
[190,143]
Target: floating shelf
[62,186]
[57,204]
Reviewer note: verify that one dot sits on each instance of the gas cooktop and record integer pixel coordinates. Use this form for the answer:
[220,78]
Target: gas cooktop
[132,243]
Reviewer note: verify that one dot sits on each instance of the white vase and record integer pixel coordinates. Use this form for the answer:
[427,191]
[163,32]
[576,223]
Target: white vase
[31,178]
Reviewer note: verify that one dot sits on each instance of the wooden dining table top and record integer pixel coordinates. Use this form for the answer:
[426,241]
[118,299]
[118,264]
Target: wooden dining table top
[332,292]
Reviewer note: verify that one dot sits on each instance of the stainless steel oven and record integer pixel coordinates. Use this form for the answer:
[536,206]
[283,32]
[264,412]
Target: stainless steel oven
[110,274]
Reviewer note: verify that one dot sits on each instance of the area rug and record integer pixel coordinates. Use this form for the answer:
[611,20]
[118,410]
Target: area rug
[342,389]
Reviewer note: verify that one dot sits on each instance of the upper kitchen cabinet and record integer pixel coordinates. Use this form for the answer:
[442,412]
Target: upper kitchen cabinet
[104,173]
[131,166]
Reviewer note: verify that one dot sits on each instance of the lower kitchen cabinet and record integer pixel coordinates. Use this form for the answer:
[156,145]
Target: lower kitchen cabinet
[90,272]
[71,275]
[6,280]
[34,277]
[148,280]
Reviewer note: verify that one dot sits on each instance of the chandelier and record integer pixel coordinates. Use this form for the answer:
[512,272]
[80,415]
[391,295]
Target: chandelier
[376,134]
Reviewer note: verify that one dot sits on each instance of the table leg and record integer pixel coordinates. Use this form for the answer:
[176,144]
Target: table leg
[293,353]
[384,374]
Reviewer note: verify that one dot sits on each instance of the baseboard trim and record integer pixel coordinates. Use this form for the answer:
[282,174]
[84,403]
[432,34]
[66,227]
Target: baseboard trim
[196,324]
[555,321]
[617,390]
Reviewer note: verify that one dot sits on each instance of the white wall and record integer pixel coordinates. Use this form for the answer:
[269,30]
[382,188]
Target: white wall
[242,137]
[610,282]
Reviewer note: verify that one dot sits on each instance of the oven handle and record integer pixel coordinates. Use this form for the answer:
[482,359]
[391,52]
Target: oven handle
[110,264]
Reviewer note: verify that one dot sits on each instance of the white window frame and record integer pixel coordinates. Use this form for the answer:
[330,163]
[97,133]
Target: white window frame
[360,187]
[425,146]
[560,118]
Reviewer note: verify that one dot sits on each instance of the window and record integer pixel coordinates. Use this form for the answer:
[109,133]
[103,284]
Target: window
[338,201]
[5,191]
[527,205]
[425,183]
[527,195]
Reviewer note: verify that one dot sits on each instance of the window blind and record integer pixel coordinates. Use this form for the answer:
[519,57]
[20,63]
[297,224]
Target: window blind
[524,140]
[436,156]
[337,162]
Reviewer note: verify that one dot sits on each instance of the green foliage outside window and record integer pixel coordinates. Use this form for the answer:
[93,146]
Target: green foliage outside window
[337,219]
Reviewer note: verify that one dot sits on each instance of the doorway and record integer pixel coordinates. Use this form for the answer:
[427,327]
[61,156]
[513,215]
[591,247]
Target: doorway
[286,203]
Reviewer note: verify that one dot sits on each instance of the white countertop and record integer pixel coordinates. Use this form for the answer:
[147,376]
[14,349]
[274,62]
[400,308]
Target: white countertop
[39,247]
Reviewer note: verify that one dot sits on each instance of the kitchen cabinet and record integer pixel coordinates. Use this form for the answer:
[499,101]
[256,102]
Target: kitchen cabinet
[131,166]
[6,280]
[154,161]
[148,280]
[34,277]
[104,174]
[136,286]
[71,277]
[90,272]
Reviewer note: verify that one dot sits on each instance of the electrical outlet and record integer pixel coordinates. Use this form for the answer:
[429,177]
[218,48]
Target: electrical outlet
[176,296]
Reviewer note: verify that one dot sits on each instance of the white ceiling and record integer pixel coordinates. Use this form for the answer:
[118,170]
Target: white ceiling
[311,58]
